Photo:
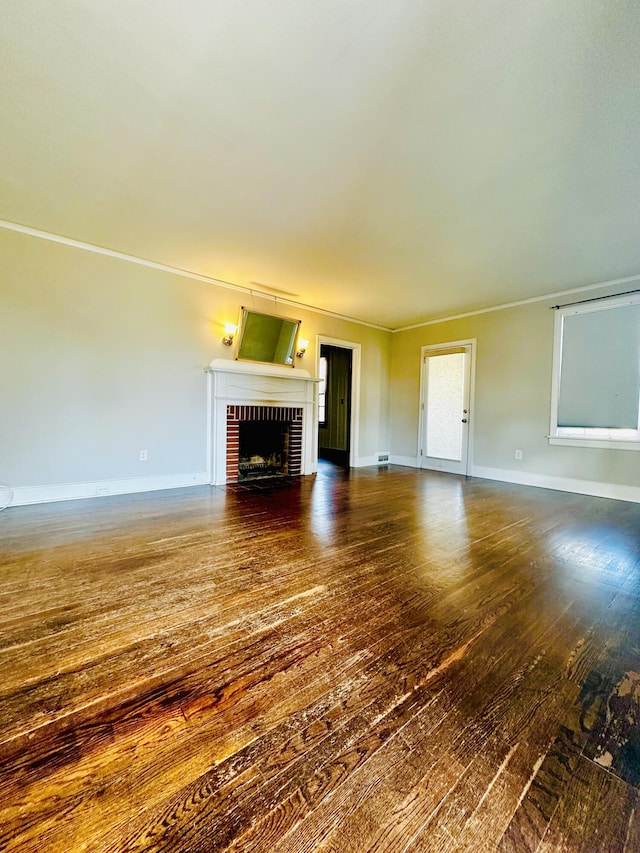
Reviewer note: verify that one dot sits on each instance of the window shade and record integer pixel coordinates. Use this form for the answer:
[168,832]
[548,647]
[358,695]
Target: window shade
[600,369]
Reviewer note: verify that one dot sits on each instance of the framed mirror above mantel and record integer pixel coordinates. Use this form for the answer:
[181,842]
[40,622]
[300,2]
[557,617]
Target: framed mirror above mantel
[266,338]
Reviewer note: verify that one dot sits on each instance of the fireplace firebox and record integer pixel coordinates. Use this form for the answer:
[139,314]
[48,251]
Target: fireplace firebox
[263,449]
[263,441]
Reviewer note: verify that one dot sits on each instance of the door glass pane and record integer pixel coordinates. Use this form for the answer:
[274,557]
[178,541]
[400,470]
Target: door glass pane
[445,397]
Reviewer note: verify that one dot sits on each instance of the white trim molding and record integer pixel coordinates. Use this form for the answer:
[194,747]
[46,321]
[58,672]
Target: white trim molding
[594,488]
[373,461]
[25,495]
[259,290]
[405,461]
[545,297]
[601,438]
[354,426]
[614,491]
[469,344]
[600,443]
[272,293]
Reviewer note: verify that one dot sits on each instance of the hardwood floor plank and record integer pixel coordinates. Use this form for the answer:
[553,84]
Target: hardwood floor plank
[596,812]
[464,680]
[373,660]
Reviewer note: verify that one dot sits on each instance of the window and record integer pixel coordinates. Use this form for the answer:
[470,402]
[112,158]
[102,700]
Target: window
[596,374]
[322,392]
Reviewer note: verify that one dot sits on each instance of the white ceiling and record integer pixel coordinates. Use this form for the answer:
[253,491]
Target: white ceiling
[390,160]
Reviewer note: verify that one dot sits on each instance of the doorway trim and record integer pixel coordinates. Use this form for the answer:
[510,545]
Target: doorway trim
[354,425]
[424,352]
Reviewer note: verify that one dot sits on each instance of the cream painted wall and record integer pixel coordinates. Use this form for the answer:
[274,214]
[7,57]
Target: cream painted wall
[513,392]
[103,358]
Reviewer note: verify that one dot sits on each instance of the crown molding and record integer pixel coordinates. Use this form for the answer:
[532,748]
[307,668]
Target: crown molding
[145,262]
[614,282]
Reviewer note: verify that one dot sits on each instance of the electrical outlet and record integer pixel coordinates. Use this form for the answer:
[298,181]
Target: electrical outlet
[143,456]
[518,454]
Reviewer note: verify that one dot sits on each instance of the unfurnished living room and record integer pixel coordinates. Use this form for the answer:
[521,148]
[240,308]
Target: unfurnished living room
[319,426]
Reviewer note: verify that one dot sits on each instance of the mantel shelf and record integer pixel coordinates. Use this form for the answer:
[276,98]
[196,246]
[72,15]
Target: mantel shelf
[255,368]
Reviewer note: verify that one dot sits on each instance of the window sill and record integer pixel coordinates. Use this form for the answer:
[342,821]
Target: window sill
[601,443]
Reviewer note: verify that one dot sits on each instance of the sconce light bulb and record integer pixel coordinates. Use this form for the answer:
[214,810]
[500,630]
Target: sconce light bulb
[229,331]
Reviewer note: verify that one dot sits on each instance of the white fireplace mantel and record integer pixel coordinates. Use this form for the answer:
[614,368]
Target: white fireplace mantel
[231,382]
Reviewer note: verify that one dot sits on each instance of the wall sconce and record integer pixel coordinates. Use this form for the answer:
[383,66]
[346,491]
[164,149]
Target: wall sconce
[302,347]
[229,331]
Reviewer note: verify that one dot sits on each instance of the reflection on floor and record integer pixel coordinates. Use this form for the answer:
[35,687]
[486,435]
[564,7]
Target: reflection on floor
[366,660]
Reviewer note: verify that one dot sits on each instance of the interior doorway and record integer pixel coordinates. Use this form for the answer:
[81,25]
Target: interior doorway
[338,396]
[445,406]
[334,405]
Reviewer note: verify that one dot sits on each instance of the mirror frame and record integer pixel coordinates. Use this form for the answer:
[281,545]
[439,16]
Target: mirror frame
[244,322]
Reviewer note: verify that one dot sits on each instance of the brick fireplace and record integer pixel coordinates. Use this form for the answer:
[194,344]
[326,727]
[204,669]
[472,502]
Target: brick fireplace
[263,441]
[261,421]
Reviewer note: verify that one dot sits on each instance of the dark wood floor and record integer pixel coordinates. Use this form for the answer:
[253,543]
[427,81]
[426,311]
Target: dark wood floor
[378,660]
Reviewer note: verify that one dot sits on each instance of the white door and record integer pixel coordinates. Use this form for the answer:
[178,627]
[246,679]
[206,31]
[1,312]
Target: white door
[445,408]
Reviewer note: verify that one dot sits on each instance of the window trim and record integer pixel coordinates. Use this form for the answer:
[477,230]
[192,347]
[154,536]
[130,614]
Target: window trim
[556,436]
[322,423]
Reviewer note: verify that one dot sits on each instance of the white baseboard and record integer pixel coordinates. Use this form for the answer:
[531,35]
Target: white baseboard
[560,484]
[542,481]
[407,461]
[24,495]
[365,461]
